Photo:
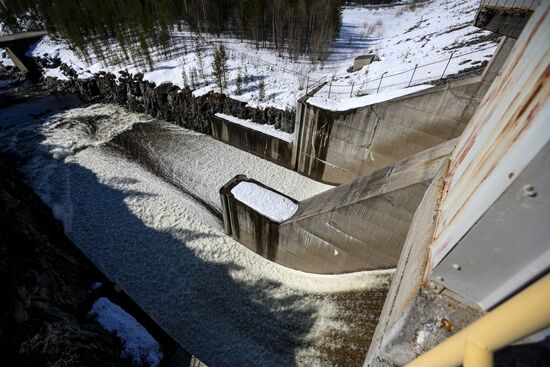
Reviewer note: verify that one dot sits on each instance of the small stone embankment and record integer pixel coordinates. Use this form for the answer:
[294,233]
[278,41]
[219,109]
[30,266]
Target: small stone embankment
[166,101]
[45,283]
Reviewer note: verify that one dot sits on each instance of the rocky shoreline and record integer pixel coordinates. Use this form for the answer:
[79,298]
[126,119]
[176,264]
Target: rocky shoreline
[47,293]
[166,101]
[45,287]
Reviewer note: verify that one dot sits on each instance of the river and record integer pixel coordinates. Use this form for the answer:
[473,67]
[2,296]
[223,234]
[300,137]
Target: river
[140,198]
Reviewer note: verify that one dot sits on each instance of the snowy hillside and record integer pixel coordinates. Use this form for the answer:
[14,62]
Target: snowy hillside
[400,35]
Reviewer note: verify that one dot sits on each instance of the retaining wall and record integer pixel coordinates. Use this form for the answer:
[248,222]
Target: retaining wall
[262,145]
[337,147]
[252,229]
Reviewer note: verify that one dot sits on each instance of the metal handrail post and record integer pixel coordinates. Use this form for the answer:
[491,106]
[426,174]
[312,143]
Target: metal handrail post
[380,83]
[448,62]
[412,76]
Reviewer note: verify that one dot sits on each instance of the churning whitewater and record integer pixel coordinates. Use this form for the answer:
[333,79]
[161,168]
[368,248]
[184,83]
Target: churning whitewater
[140,198]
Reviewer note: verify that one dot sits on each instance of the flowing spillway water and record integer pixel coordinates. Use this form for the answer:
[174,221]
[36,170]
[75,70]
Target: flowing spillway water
[140,198]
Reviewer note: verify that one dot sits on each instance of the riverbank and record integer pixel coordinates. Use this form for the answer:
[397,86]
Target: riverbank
[47,288]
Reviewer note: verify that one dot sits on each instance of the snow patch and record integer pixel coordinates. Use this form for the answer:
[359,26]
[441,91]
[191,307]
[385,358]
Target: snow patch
[137,343]
[266,202]
[357,102]
[263,128]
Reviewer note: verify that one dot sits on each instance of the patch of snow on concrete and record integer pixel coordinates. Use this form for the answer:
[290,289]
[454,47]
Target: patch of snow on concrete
[263,128]
[266,202]
[421,337]
[137,343]
[356,102]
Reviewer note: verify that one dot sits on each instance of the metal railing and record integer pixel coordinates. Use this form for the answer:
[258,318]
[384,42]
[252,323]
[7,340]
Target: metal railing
[521,316]
[418,74]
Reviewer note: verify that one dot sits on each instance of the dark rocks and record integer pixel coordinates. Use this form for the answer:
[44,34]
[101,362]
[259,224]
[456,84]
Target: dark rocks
[167,101]
[68,71]
[11,73]
[45,288]
[476,69]
[48,62]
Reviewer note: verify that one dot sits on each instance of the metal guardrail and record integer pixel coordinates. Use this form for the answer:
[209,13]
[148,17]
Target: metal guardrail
[419,74]
[521,316]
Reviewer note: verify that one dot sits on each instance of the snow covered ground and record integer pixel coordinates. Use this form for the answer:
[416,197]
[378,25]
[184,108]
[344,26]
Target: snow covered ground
[425,35]
[114,194]
[4,58]
[137,343]
[401,36]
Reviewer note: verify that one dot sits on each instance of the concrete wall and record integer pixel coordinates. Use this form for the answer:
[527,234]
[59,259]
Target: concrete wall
[357,226]
[255,142]
[360,225]
[478,206]
[337,147]
[16,52]
[411,309]
[16,45]
[505,17]
[252,229]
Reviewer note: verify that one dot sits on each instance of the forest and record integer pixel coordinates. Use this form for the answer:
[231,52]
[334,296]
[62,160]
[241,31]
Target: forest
[291,27]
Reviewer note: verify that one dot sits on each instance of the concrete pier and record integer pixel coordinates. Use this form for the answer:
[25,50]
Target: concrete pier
[361,225]
[16,45]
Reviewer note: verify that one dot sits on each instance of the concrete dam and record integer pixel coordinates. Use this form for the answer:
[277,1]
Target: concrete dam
[382,155]
[426,182]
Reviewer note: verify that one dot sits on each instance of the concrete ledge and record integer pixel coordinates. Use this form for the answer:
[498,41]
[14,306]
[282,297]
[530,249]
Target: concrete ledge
[246,225]
[252,141]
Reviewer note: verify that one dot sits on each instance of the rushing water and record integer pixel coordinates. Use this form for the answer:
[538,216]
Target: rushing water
[140,198]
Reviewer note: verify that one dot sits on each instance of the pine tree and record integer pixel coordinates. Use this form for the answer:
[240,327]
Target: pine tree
[184,76]
[239,83]
[224,58]
[200,61]
[194,78]
[261,90]
[219,67]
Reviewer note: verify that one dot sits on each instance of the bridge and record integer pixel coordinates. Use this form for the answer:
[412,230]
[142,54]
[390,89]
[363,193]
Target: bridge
[16,45]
